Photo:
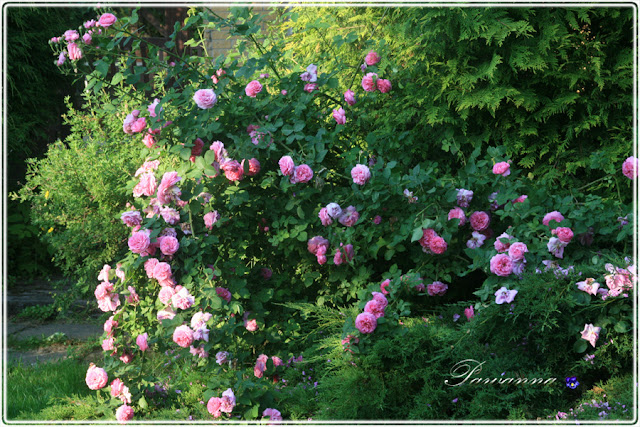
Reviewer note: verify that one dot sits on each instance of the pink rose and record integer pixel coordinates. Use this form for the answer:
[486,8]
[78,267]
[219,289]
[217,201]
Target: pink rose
[124,413]
[131,219]
[141,341]
[479,220]
[224,294]
[139,242]
[340,116]
[317,242]
[302,173]
[520,199]
[254,167]
[374,308]
[228,401]
[149,141]
[149,265]
[437,288]
[205,98]
[61,58]
[349,217]
[383,287]
[110,325]
[109,303]
[273,414]
[220,152]
[565,234]
[349,97]
[468,312]
[348,252]
[103,290]
[251,325]
[360,174]
[501,265]
[71,35]
[139,125]
[337,258]
[183,336]
[464,197]
[96,378]
[232,170]
[501,168]
[428,234]
[107,344]
[368,83]
[501,246]
[167,313]
[437,245]
[334,210]
[182,299]
[152,107]
[74,52]
[87,38]
[457,213]
[325,219]
[133,297]
[517,251]
[213,406]
[630,167]
[310,87]
[146,186]
[552,216]
[286,165]
[259,368]
[372,58]
[382,300]
[384,85]
[210,219]
[253,88]
[168,190]
[117,387]
[222,357]
[366,322]
[169,245]
[377,219]
[162,271]
[107,19]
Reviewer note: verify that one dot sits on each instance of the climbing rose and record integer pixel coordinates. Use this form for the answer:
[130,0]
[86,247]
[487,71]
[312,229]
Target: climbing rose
[213,406]
[374,308]
[505,295]
[165,294]
[253,88]
[382,300]
[96,378]
[349,217]
[517,251]
[183,336]
[591,333]
[372,58]
[302,173]
[368,83]
[131,219]
[630,167]
[254,167]
[360,174]
[469,313]
[589,286]
[224,293]
[169,245]
[349,97]
[334,210]
[325,219]
[383,85]
[74,52]
[211,218]
[182,299]
[438,245]
[383,287]
[139,242]
[479,220]
[437,288]
[457,213]
[501,265]
[501,168]
[565,234]
[310,87]
[501,246]
[251,325]
[233,170]
[124,413]
[366,322]
[205,98]
[141,341]
[286,165]
[340,116]
[552,216]
[107,19]
[71,35]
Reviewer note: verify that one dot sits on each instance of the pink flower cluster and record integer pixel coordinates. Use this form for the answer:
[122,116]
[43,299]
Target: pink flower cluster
[120,391]
[296,174]
[134,124]
[630,167]
[318,246]
[70,36]
[108,300]
[556,245]
[511,256]
[371,82]
[432,243]
[261,364]
[343,254]
[437,288]
[217,405]
[367,322]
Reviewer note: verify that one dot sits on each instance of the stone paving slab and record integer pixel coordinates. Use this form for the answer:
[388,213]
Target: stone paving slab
[77,331]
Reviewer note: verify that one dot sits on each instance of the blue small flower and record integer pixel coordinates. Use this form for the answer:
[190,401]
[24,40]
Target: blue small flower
[572,382]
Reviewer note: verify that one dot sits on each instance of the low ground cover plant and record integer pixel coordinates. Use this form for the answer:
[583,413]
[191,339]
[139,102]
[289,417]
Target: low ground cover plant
[295,262]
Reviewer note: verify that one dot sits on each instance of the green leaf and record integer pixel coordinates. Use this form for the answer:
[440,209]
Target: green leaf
[417,234]
[142,402]
[185,153]
[621,327]
[580,346]
[117,78]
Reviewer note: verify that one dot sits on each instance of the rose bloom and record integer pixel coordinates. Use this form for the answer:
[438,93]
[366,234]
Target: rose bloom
[233,170]
[501,246]
[479,220]
[107,344]
[520,199]
[366,322]
[200,319]
[589,286]
[349,97]
[254,167]
[139,242]
[224,294]
[213,406]
[437,245]
[340,116]
[382,300]
[169,245]
[211,218]
[565,234]
[372,58]
[133,297]
[505,295]
[149,265]
[162,271]
[383,287]
[552,216]
[220,152]
[182,299]
[334,210]
[273,414]
[222,357]
[501,168]
[464,197]
[316,242]
[348,252]
[259,368]
[457,213]
[61,58]
[96,378]
[103,289]
[152,107]
[110,325]
[286,165]
[139,125]
[325,219]
[146,186]
[266,273]
[377,219]
[360,174]
[437,288]
[168,191]
[630,167]
[349,217]
[141,341]
[228,401]
[383,85]
[591,333]
[501,265]
[71,35]
[149,140]
[517,251]
[251,325]
[167,313]
[310,87]
[302,173]
[124,413]
[107,19]
[253,88]
[468,312]
[74,52]
[205,98]
[477,240]
[183,336]
[374,308]
[117,387]
[368,83]
[131,219]
[428,234]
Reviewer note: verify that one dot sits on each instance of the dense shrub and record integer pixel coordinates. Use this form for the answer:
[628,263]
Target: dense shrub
[254,200]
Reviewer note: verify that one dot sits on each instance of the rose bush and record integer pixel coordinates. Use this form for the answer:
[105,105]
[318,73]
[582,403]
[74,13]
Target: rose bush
[252,197]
